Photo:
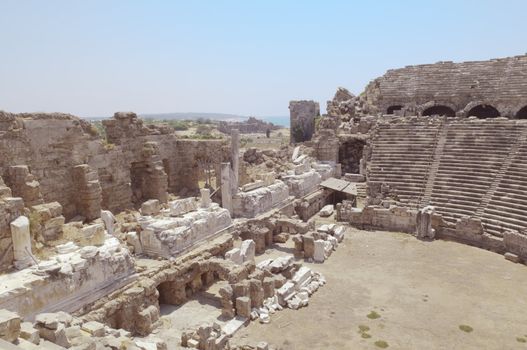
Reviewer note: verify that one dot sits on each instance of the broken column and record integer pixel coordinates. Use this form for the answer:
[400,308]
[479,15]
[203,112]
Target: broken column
[424,223]
[226,194]
[89,193]
[155,179]
[205,198]
[235,154]
[21,242]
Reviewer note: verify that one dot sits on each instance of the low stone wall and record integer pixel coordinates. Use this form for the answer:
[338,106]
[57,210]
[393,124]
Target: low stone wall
[311,204]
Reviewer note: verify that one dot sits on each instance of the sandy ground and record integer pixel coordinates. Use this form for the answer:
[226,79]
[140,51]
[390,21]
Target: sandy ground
[422,292]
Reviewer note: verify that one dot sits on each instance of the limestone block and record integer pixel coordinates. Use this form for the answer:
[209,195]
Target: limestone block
[262,346]
[243,306]
[183,206]
[268,287]
[205,198]
[29,333]
[21,237]
[296,153]
[256,293]
[259,237]
[285,292]
[150,207]
[9,325]
[302,277]
[57,336]
[96,329]
[109,221]
[327,210]
[279,281]
[93,235]
[247,250]
[309,246]
[338,233]
[234,255]
[132,238]
[319,251]
[281,263]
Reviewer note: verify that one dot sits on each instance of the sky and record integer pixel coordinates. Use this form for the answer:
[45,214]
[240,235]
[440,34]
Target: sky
[93,58]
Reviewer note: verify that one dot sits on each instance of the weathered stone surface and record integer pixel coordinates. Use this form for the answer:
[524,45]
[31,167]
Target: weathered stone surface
[9,325]
[243,307]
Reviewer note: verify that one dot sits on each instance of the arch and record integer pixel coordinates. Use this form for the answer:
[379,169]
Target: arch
[394,108]
[483,111]
[439,110]
[522,113]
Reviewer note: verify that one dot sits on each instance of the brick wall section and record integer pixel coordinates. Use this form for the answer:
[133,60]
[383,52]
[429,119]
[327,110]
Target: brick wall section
[501,83]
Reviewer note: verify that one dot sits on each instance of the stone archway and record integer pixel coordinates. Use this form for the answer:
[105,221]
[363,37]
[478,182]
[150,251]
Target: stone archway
[483,111]
[393,109]
[522,113]
[440,110]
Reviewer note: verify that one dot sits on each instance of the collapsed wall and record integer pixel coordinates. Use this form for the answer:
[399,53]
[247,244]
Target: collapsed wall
[59,158]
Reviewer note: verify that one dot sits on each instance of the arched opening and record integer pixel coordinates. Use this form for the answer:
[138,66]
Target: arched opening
[439,110]
[522,113]
[483,111]
[393,109]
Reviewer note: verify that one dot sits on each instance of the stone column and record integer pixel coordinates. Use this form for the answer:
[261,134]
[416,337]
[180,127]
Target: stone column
[89,192]
[338,170]
[21,242]
[235,156]
[205,197]
[226,194]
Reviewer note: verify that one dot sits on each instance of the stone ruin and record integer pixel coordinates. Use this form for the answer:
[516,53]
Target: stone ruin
[99,231]
[250,126]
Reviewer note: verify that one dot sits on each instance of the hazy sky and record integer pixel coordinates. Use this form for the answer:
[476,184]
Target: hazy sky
[92,58]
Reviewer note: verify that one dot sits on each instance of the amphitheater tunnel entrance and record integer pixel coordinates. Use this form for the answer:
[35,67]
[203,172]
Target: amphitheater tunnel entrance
[395,109]
[522,113]
[483,111]
[350,154]
[439,110]
[179,291]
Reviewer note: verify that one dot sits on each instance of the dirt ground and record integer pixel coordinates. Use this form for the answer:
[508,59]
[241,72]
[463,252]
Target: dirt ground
[390,290]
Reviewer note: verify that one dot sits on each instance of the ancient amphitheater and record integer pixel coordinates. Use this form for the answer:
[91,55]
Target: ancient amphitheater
[398,219]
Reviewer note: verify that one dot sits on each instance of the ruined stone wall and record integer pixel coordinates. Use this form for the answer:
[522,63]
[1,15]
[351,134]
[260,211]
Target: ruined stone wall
[51,145]
[302,117]
[501,83]
[251,125]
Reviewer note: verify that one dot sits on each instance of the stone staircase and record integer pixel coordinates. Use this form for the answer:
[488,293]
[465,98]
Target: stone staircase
[505,205]
[434,164]
[401,157]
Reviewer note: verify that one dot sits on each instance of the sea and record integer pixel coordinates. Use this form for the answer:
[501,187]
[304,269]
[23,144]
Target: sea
[277,120]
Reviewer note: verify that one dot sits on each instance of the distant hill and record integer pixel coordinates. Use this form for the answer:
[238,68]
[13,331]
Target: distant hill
[194,115]
[277,120]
